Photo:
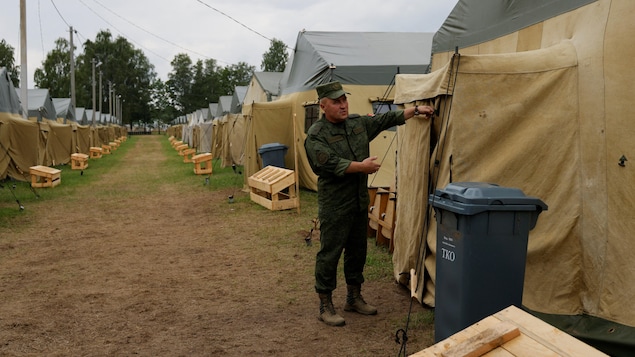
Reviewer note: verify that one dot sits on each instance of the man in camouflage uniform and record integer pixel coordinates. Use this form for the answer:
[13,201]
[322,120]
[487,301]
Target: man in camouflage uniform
[337,146]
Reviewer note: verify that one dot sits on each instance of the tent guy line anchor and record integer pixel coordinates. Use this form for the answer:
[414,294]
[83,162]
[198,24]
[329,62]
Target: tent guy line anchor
[12,189]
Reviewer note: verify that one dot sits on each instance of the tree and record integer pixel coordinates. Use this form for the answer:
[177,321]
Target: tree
[56,72]
[235,75]
[123,66]
[7,60]
[161,102]
[275,60]
[180,82]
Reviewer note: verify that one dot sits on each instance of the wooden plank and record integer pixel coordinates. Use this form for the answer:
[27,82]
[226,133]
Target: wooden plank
[547,335]
[484,342]
[44,170]
[525,346]
[202,157]
[537,338]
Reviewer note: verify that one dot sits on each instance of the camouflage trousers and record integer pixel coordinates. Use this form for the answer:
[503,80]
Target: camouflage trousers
[341,233]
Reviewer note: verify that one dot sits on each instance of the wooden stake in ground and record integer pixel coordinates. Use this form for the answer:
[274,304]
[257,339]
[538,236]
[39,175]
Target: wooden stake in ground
[295,161]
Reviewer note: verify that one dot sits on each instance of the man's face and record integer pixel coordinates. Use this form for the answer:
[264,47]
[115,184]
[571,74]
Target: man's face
[335,110]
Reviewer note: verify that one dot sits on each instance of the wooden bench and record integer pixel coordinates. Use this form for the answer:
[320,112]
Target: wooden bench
[202,163]
[95,152]
[105,149]
[113,146]
[188,154]
[79,161]
[268,188]
[182,148]
[176,143]
[44,176]
[379,201]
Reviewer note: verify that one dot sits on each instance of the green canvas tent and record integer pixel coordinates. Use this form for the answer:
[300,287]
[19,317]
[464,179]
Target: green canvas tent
[364,62]
[538,97]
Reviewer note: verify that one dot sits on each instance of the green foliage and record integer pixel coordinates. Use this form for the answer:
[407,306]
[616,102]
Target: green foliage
[180,82]
[56,72]
[235,75]
[161,102]
[193,86]
[275,59]
[7,59]
[123,66]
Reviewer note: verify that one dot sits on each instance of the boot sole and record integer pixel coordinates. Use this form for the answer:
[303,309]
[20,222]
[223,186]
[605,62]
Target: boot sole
[352,309]
[332,324]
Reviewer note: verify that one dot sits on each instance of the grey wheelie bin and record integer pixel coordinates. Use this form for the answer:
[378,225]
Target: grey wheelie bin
[482,235]
[272,154]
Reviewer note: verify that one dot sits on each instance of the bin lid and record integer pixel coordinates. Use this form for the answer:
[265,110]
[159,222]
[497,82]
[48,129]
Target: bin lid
[271,147]
[484,196]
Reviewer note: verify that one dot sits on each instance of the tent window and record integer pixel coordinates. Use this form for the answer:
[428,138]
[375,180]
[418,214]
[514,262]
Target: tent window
[311,115]
[383,107]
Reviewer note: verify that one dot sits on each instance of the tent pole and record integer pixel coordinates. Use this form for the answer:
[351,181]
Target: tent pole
[295,162]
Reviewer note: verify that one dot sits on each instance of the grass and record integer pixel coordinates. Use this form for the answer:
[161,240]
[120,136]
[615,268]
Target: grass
[173,172]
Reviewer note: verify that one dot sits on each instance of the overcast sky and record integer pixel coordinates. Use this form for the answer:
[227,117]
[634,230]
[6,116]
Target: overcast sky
[229,31]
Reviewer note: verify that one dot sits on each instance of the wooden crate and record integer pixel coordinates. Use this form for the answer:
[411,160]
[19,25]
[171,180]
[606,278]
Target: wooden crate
[510,332]
[268,186]
[188,154]
[377,207]
[176,143]
[202,163]
[105,149]
[44,176]
[95,152]
[79,161]
[386,230]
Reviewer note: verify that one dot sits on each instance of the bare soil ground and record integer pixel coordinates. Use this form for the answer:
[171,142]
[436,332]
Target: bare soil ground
[138,263]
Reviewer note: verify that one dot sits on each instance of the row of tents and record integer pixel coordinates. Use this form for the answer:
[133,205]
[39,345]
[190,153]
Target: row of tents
[532,94]
[43,138]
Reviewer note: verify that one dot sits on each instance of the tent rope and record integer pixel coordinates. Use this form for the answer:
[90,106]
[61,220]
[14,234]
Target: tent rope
[452,78]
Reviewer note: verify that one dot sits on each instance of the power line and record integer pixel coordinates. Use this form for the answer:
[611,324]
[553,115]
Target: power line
[236,21]
[155,35]
[106,21]
[243,25]
[59,13]
[66,22]
[39,16]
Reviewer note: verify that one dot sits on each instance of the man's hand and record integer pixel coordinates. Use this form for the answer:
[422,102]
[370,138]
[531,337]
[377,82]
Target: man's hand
[368,166]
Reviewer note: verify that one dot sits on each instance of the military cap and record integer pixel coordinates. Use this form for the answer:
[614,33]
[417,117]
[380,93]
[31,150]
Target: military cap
[331,90]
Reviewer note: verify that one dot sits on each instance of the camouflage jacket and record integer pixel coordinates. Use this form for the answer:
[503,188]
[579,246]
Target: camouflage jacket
[332,147]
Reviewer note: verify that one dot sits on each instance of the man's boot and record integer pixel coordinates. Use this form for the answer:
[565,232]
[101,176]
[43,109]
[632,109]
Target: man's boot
[355,301]
[327,311]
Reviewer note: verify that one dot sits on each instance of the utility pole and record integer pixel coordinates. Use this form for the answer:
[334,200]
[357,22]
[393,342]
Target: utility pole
[94,85]
[110,100]
[101,114]
[94,104]
[23,68]
[73,103]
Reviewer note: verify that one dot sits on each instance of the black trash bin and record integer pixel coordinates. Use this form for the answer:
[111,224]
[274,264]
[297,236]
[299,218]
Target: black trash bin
[273,154]
[482,234]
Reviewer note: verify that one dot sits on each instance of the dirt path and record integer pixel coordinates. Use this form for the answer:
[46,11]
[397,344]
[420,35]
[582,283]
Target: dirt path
[139,263]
